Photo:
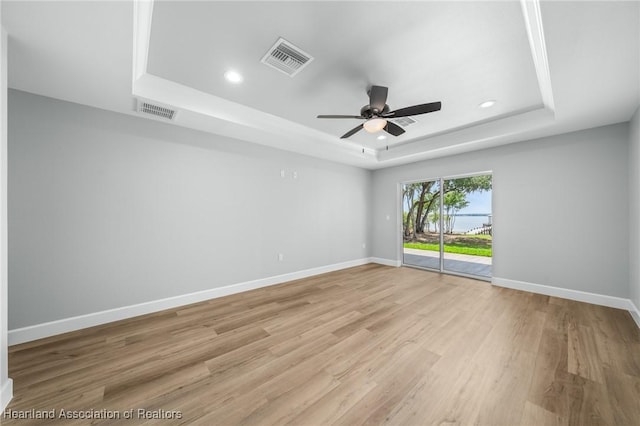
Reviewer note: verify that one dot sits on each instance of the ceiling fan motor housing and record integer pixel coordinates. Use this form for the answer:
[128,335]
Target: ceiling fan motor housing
[368,112]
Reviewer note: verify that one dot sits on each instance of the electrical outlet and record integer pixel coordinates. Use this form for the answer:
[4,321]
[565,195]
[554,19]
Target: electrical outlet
[282,174]
[280,257]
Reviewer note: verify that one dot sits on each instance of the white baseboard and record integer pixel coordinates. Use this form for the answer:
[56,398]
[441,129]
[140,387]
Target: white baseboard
[635,313]
[39,331]
[6,393]
[577,295]
[387,262]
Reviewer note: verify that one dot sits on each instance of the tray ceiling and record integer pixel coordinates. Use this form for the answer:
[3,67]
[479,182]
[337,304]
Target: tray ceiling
[552,67]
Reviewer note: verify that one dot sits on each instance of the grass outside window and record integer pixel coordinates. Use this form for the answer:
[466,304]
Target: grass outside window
[453,247]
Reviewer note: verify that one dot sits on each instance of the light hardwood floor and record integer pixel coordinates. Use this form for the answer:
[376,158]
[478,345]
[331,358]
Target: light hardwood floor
[366,345]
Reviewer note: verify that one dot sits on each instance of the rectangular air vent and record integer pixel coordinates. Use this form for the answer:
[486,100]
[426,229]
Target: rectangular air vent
[286,58]
[161,111]
[403,121]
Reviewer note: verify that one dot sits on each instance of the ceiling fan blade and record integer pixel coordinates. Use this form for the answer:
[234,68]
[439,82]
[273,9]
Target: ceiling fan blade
[414,110]
[341,116]
[378,97]
[352,132]
[393,129]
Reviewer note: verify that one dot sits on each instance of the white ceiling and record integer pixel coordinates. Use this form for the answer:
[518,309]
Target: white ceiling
[404,46]
[553,67]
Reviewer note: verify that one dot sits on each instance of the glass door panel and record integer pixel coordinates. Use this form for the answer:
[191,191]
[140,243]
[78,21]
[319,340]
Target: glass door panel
[421,224]
[467,225]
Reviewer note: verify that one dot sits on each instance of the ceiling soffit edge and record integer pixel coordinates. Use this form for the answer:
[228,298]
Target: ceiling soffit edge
[142,16]
[535,32]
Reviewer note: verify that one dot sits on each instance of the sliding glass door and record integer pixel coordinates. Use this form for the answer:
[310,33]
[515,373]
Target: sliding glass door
[448,225]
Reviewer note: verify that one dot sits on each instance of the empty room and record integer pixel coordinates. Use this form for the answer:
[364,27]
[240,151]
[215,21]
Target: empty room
[270,213]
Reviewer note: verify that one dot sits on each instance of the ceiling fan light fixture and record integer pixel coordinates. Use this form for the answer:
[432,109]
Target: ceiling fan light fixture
[375,124]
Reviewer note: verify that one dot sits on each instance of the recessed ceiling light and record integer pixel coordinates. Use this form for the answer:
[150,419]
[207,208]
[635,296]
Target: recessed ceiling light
[233,77]
[487,104]
[381,137]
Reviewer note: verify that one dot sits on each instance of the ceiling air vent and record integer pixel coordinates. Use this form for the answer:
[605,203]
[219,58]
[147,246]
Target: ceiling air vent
[286,58]
[403,121]
[156,110]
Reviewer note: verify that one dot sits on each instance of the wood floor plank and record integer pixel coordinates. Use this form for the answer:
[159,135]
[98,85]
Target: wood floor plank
[534,415]
[335,403]
[545,391]
[584,357]
[365,345]
[623,393]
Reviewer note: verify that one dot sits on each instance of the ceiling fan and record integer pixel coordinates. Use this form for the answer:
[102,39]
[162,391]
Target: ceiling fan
[377,113]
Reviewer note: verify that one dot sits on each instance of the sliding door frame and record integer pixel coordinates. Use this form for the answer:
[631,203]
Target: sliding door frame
[400,236]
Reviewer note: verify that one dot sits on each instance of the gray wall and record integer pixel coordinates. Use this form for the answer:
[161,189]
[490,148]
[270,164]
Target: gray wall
[108,210]
[634,209]
[559,204]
